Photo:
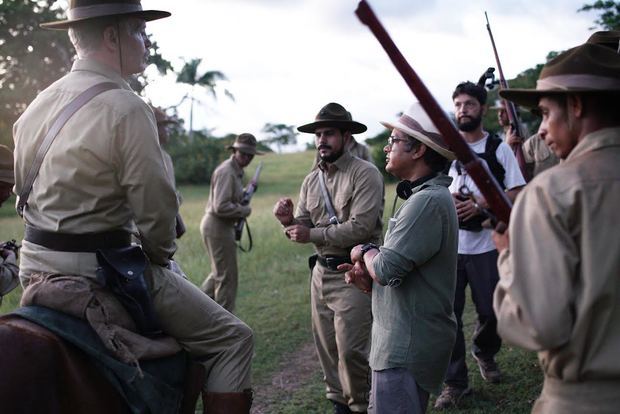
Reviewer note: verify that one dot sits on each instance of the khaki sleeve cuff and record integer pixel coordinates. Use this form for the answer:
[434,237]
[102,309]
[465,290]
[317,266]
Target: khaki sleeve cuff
[317,235]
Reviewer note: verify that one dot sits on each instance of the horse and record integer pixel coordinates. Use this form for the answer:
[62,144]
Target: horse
[42,373]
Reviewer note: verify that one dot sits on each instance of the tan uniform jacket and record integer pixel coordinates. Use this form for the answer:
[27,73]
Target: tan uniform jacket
[225,195]
[538,156]
[104,171]
[559,290]
[357,193]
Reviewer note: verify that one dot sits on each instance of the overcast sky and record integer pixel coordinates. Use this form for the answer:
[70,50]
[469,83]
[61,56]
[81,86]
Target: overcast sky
[285,59]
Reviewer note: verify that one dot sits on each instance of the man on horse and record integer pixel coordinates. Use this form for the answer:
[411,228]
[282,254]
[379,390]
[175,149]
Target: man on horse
[103,180]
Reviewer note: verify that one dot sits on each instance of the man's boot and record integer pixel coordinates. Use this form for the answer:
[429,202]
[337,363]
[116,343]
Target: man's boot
[227,402]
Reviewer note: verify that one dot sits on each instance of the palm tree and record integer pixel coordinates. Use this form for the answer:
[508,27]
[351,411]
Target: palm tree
[189,75]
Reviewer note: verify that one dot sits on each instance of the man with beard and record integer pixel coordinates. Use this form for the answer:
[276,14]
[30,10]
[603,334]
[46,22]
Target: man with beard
[340,206]
[477,258]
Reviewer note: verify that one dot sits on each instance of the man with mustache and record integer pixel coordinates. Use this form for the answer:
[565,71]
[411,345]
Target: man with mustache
[346,212]
[477,258]
[103,181]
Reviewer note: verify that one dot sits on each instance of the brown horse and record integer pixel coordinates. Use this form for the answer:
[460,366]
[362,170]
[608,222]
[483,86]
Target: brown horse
[42,373]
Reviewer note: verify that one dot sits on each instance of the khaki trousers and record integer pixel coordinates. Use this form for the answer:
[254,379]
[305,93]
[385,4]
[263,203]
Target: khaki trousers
[219,238]
[212,335]
[341,323]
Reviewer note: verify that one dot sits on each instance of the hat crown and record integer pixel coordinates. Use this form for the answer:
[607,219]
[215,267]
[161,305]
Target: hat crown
[246,139]
[587,59]
[333,112]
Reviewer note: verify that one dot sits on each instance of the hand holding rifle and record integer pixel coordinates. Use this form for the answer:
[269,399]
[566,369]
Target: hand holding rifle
[248,193]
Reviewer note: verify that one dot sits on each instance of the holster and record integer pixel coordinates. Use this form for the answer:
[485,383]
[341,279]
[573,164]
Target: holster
[312,261]
[121,270]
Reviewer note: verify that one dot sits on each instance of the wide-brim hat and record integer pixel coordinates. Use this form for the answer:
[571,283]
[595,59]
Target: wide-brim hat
[416,123]
[607,38]
[6,165]
[246,143]
[588,68]
[83,10]
[334,115]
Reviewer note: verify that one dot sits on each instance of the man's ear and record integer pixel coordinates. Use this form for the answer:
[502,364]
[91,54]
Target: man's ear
[347,136]
[575,104]
[418,152]
[110,38]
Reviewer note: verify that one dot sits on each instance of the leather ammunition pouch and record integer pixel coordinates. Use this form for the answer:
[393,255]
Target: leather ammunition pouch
[122,272]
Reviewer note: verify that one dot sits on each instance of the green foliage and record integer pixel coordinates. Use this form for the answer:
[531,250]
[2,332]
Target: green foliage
[609,14]
[375,146]
[30,58]
[189,75]
[195,159]
[280,134]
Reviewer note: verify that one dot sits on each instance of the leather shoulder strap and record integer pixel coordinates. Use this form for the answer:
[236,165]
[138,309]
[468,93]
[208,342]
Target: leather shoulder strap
[66,113]
[333,219]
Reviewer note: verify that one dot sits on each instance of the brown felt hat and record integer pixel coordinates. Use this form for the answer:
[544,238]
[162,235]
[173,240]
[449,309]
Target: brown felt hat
[6,165]
[246,143]
[417,124]
[83,10]
[333,115]
[607,38]
[588,68]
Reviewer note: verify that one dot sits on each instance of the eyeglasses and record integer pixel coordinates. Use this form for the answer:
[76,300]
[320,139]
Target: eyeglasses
[392,139]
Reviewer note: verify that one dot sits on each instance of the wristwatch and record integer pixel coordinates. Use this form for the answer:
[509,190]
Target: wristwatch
[368,246]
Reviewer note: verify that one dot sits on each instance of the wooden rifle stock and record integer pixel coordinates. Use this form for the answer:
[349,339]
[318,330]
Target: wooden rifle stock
[511,109]
[498,202]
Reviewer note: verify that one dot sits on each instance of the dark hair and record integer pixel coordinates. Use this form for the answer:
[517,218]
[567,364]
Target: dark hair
[432,158]
[471,89]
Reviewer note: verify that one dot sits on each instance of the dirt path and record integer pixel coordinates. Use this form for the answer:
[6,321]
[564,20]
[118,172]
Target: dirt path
[294,372]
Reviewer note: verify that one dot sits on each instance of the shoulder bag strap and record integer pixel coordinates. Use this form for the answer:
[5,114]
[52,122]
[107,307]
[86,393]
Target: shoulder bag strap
[60,121]
[333,219]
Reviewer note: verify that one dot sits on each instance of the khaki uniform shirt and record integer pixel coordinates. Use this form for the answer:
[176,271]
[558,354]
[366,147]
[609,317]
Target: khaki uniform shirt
[104,171]
[359,150]
[357,193]
[226,193]
[538,156]
[414,326]
[559,290]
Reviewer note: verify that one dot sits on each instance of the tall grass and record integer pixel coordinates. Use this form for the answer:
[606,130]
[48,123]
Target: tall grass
[274,295]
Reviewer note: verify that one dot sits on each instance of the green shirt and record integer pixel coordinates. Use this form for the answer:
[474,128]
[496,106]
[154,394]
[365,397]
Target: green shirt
[413,319]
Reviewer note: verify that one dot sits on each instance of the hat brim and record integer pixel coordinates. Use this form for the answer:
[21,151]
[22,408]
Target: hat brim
[147,15]
[352,126]
[529,98]
[422,138]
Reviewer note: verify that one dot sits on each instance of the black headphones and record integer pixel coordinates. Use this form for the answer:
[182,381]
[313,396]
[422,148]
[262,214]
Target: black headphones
[404,189]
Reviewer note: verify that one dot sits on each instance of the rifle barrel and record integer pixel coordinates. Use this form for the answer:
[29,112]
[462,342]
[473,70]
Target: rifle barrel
[497,199]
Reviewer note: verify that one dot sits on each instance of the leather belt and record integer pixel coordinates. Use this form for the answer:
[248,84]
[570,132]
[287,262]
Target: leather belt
[86,243]
[332,262]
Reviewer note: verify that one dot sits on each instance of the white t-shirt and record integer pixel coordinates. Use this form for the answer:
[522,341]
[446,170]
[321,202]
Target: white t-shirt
[472,242]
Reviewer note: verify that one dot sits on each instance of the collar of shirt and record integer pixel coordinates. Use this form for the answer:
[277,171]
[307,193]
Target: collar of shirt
[236,167]
[341,163]
[607,137]
[433,179]
[91,65]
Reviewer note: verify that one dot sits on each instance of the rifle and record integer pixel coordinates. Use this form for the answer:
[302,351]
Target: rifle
[245,200]
[490,189]
[511,109]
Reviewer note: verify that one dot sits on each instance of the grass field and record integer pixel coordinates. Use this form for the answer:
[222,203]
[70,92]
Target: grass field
[274,297]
